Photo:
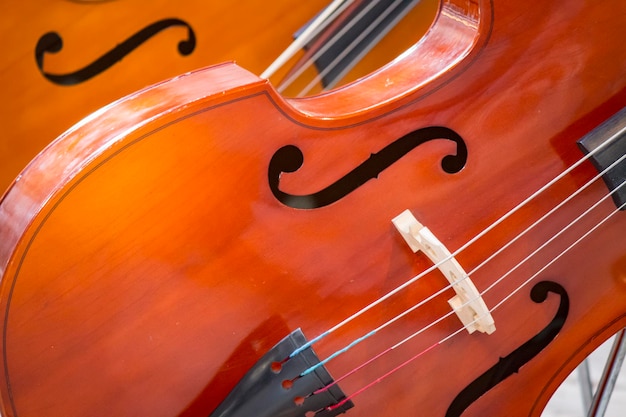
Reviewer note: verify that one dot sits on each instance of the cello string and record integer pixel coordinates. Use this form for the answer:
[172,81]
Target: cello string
[379,379]
[549,213]
[352,46]
[554,237]
[289,80]
[470,242]
[561,254]
[333,40]
[482,264]
[315,27]
[460,330]
[472,272]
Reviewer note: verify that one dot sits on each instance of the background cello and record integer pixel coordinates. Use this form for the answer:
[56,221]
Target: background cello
[62,60]
[38,75]
[165,243]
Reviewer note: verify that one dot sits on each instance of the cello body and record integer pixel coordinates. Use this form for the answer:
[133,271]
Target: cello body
[62,60]
[158,249]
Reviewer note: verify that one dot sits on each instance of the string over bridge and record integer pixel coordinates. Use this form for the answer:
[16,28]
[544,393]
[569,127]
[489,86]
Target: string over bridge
[468,303]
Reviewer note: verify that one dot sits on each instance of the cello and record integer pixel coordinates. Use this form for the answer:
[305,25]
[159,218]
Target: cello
[62,60]
[443,237]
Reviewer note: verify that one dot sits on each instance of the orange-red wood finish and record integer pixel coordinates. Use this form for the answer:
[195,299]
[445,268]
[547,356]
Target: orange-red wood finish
[146,265]
[36,110]
[249,32]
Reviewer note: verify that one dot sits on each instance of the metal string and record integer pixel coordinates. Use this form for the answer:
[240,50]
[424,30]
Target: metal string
[472,272]
[315,27]
[498,305]
[466,245]
[337,59]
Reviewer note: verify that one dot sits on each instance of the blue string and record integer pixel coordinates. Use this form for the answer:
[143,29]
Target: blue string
[334,355]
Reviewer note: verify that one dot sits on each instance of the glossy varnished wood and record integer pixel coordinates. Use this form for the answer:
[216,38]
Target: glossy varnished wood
[35,111]
[146,265]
